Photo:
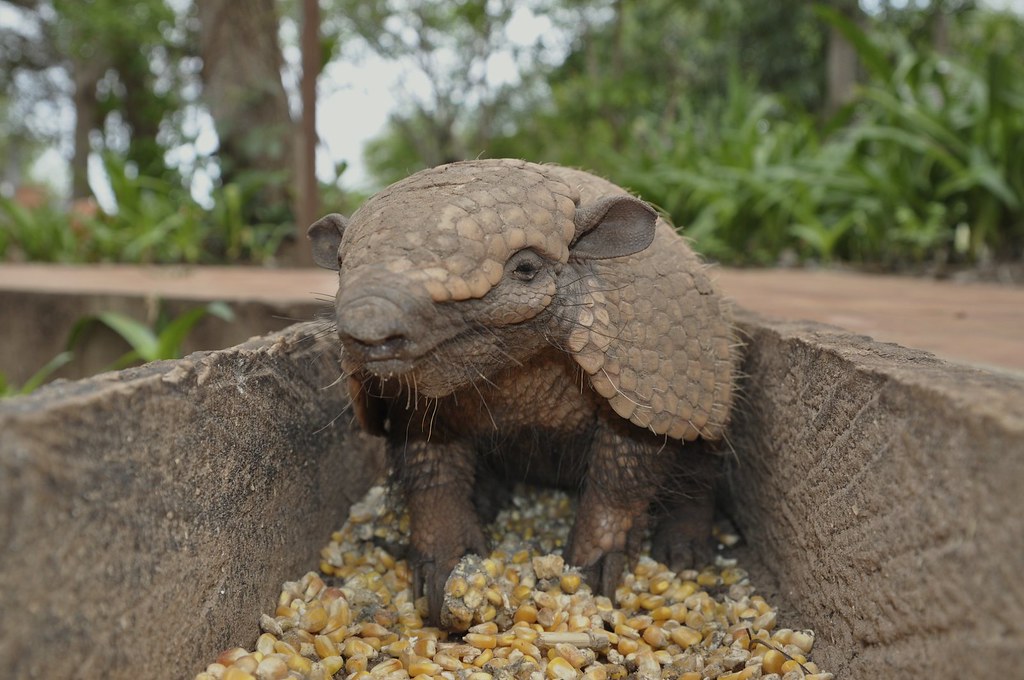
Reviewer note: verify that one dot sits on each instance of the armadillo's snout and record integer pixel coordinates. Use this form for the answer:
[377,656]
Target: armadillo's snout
[375,329]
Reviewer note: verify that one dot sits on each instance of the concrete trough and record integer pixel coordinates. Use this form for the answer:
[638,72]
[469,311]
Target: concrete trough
[147,517]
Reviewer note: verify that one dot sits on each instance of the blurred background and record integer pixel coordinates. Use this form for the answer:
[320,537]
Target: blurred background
[886,136]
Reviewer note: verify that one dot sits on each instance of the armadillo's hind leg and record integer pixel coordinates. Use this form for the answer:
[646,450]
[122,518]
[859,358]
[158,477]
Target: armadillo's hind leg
[685,510]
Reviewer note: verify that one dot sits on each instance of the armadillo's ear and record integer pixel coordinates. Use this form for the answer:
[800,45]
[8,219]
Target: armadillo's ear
[325,235]
[613,227]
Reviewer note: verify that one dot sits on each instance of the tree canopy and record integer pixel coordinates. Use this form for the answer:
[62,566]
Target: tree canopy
[815,131]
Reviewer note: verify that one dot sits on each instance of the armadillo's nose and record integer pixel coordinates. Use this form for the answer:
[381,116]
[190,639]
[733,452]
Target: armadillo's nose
[374,328]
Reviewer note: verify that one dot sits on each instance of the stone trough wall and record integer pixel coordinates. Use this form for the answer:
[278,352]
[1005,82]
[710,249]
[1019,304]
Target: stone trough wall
[149,516]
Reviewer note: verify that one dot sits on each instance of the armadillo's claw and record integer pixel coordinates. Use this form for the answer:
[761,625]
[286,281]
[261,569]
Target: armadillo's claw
[428,581]
[605,574]
[681,552]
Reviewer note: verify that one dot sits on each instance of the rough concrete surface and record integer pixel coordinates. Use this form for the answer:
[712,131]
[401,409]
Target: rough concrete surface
[147,516]
[881,488]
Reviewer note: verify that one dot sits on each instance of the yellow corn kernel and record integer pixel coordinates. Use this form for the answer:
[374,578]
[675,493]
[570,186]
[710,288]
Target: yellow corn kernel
[424,667]
[299,663]
[627,646]
[521,593]
[356,664]
[803,639]
[282,647]
[661,613]
[265,644]
[457,586]
[651,602]
[448,662]
[484,657]
[655,636]
[660,586]
[771,661]
[792,664]
[626,631]
[560,669]
[356,647]
[744,674]
[332,665]
[237,674]
[488,628]
[325,647]
[570,582]
[313,619]
[481,641]
[272,667]
[708,579]
[617,671]
[684,636]
[525,613]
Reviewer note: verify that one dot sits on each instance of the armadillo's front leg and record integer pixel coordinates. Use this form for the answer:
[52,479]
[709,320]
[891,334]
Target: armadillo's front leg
[437,481]
[621,481]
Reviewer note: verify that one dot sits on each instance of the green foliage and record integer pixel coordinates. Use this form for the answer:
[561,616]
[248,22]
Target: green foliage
[41,234]
[932,147]
[156,221]
[163,341]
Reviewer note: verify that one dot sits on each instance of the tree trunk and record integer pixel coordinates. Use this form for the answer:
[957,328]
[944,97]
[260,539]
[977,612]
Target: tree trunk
[85,76]
[242,87]
[307,204]
[940,30]
[842,63]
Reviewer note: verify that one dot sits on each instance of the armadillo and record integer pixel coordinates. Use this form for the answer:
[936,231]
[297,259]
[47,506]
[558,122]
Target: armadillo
[501,319]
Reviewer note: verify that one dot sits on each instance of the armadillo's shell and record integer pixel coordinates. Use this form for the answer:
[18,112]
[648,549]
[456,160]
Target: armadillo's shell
[473,214]
[654,337]
[651,333]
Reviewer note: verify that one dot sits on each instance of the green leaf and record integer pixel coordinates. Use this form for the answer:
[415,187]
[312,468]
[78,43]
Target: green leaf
[173,334]
[142,340]
[40,376]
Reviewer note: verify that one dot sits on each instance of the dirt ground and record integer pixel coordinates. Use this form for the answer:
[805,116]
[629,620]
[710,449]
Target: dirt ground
[975,323]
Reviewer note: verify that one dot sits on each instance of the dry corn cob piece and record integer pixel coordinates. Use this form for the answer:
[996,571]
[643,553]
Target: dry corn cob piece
[520,613]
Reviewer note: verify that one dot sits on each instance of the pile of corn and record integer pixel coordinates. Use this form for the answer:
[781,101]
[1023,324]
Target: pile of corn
[521,612]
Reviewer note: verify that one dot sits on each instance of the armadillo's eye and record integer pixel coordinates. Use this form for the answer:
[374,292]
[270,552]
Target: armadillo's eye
[525,265]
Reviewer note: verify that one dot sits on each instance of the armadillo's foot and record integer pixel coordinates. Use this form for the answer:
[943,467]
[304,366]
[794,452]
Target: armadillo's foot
[603,539]
[444,529]
[682,538]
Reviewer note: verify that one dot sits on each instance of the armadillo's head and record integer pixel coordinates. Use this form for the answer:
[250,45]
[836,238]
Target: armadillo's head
[454,272]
